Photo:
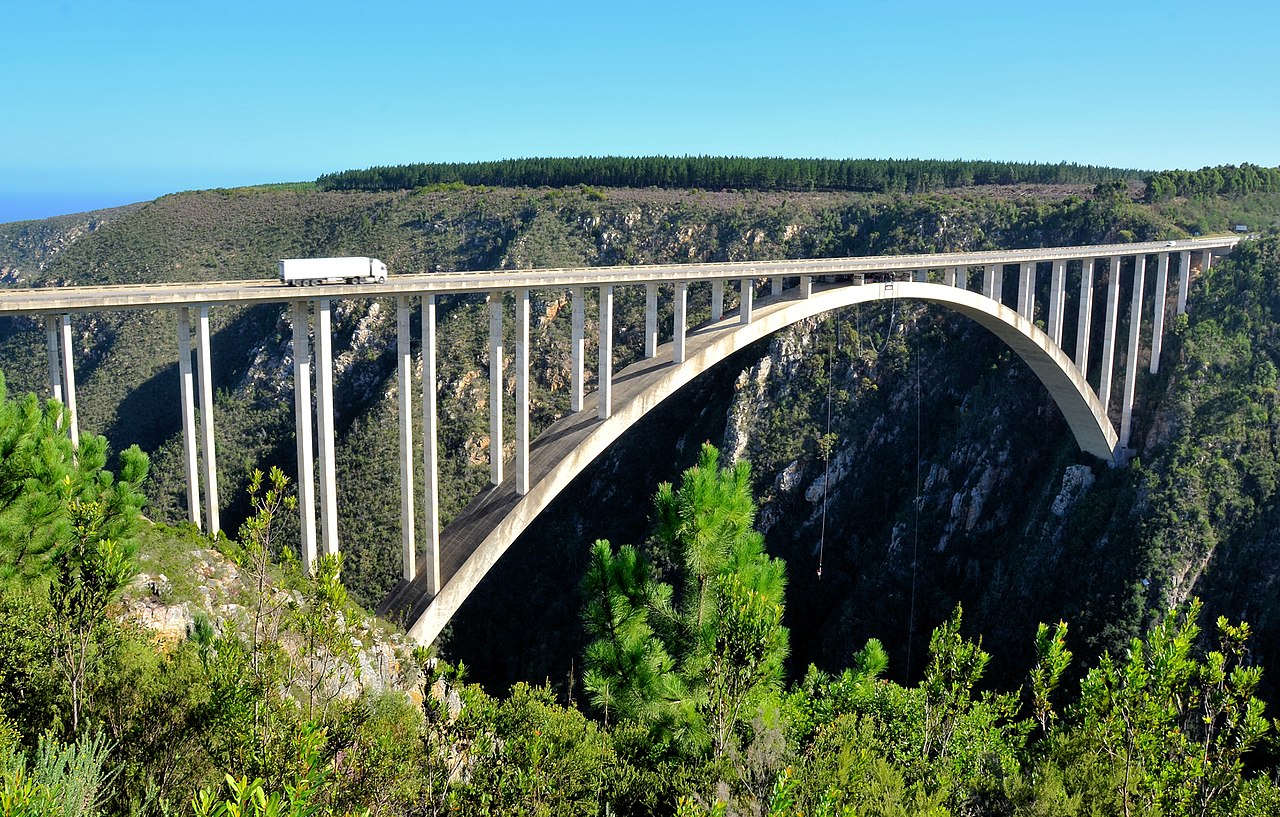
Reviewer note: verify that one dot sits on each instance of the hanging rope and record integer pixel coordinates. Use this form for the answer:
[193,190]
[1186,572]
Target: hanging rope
[871,340]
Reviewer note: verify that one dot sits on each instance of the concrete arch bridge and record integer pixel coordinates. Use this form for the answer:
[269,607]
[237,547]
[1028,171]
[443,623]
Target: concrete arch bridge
[772,296]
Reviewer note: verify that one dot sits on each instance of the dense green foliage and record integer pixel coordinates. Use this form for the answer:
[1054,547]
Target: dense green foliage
[697,666]
[1224,180]
[686,676]
[723,173]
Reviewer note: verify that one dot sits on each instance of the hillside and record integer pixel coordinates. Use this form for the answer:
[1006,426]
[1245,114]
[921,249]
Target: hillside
[996,527]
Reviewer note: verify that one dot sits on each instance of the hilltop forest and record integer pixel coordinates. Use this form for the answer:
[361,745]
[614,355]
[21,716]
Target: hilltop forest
[977,619]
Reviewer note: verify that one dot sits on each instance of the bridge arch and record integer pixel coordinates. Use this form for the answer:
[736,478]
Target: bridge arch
[708,345]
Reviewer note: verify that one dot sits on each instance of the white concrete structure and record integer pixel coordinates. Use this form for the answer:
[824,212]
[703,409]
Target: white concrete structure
[522,391]
[655,381]
[187,400]
[1157,323]
[450,573]
[605,360]
[1109,331]
[495,387]
[1084,321]
[577,347]
[404,394]
[431,450]
[325,437]
[302,431]
[205,367]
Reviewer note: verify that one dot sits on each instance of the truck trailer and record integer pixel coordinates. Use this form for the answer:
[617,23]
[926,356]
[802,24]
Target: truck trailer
[313,271]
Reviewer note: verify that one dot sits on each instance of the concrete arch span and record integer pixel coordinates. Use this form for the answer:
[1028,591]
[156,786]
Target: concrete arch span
[496,519]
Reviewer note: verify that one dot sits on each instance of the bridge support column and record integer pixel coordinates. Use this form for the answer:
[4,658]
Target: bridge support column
[1109,333]
[1157,323]
[747,300]
[650,320]
[55,368]
[1206,260]
[302,428]
[577,348]
[949,276]
[1057,293]
[806,286]
[1027,291]
[776,287]
[206,422]
[680,321]
[324,420]
[404,367]
[69,381]
[717,300]
[990,287]
[187,397]
[605,403]
[1184,280]
[962,278]
[522,391]
[495,388]
[1086,316]
[921,276]
[1135,335]
[431,446]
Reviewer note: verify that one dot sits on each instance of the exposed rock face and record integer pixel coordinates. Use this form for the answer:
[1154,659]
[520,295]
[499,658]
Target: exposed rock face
[152,601]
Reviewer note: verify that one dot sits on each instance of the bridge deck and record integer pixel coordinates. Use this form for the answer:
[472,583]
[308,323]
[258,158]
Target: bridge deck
[407,600]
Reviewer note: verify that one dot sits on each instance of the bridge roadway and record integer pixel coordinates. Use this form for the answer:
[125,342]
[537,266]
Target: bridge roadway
[48,300]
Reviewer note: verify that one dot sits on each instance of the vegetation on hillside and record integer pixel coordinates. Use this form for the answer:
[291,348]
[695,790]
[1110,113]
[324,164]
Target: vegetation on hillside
[690,714]
[724,173]
[1223,180]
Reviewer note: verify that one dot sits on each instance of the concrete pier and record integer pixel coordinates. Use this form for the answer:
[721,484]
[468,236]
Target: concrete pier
[747,300]
[325,437]
[1084,323]
[404,369]
[1184,280]
[302,431]
[1135,336]
[605,363]
[806,286]
[495,388]
[717,299]
[650,320]
[1109,333]
[1157,323]
[680,321]
[69,380]
[1027,291]
[55,366]
[205,369]
[187,400]
[577,348]
[431,446]
[522,391]
[1057,294]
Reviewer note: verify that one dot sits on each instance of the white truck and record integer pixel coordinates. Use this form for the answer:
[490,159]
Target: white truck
[312,271]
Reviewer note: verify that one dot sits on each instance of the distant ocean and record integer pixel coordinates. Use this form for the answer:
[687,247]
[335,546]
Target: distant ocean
[24,206]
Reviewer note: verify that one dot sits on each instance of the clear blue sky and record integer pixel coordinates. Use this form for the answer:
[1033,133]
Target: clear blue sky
[113,101]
